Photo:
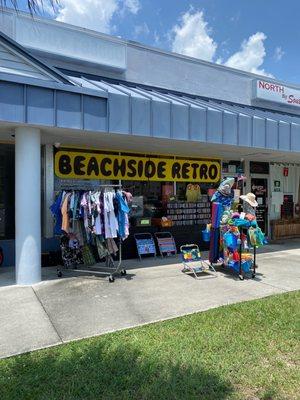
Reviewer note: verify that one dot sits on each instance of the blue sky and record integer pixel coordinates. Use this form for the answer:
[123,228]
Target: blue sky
[261,36]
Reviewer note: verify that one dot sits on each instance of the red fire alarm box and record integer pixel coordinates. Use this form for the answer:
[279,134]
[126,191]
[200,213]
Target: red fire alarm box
[285,171]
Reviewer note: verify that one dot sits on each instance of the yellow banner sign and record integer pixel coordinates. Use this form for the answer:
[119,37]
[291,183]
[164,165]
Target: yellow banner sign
[75,164]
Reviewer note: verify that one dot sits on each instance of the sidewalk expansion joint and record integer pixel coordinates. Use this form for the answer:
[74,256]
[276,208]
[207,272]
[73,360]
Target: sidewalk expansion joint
[48,316]
[275,287]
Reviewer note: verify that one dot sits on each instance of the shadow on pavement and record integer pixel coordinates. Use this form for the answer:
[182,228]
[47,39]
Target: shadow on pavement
[96,370]
[7,275]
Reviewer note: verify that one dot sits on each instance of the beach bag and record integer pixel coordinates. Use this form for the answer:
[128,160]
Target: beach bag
[256,237]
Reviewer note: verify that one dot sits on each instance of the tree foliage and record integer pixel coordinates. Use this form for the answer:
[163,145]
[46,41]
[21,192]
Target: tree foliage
[34,6]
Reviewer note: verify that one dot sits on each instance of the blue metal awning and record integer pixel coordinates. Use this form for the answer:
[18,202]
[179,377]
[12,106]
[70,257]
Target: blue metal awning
[152,112]
[98,105]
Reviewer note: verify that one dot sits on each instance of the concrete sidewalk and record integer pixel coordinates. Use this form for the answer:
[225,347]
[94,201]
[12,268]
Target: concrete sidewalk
[80,305]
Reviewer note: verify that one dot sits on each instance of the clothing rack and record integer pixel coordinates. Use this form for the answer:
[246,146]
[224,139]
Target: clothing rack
[110,268]
[92,240]
[119,186]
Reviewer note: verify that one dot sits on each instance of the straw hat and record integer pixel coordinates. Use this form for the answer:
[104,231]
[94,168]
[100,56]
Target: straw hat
[250,198]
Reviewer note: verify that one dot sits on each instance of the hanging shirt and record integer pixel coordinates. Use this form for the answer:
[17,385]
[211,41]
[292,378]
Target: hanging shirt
[56,211]
[76,229]
[84,205]
[72,200]
[110,220]
[123,212]
[65,213]
[111,246]
[97,213]
[75,209]
[101,248]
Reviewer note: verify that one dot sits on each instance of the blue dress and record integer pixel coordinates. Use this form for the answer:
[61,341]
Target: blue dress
[123,209]
[55,209]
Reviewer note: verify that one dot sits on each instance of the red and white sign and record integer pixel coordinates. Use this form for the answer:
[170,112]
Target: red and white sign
[285,171]
[277,93]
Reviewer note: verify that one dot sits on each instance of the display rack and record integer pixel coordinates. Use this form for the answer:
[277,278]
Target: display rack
[73,260]
[188,213]
[108,267]
[240,264]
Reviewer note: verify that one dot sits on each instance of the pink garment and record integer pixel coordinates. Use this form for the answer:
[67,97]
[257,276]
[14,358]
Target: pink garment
[126,226]
[84,204]
[98,224]
[128,196]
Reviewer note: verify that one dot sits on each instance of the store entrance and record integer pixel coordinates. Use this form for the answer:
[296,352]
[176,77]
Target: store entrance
[7,192]
[259,186]
[181,209]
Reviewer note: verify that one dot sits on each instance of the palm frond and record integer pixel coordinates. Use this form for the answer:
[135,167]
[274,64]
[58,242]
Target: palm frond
[34,6]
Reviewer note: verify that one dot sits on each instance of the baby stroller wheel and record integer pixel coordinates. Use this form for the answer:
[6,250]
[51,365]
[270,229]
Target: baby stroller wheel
[111,279]
[123,273]
[59,273]
[253,275]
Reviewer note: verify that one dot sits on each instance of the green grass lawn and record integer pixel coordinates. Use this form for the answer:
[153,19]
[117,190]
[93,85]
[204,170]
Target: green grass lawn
[247,351]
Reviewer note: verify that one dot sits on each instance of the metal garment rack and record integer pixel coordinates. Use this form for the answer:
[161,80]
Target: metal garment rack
[241,273]
[109,261]
[109,265]
[254,266]
[118,185]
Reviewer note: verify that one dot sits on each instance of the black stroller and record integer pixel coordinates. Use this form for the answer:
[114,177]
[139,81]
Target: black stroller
[70,252]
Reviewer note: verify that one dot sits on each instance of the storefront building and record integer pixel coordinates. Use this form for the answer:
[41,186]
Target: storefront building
[79,108]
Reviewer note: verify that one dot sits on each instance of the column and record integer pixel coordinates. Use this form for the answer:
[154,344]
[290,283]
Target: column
[28,205]
[48,188]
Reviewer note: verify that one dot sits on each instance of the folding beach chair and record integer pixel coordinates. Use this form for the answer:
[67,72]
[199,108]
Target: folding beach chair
[145,244]
[192,260]
[166,243]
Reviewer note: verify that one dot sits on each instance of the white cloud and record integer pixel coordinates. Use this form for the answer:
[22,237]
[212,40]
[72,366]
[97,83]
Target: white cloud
[278,54]
[251,55]
[94,14]
[192,37]
[156,38]
[142,29]
[132,5]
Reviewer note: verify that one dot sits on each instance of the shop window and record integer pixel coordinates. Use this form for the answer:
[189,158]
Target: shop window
[7,192]
[233,167]
[182,203]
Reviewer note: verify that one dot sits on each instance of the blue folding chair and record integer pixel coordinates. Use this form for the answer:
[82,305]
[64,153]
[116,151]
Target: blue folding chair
[192,260]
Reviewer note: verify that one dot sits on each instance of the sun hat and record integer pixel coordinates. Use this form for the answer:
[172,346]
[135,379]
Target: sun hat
[250,198]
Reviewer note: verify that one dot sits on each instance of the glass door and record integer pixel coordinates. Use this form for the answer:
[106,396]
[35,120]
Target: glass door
[259,186]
